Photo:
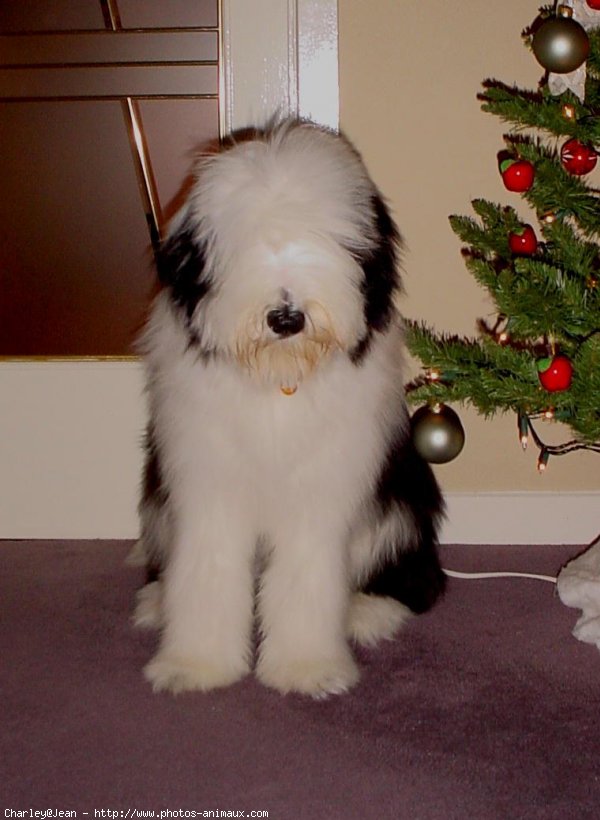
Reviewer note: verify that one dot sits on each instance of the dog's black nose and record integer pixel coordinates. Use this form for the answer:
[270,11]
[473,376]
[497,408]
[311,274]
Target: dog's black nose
[285,321]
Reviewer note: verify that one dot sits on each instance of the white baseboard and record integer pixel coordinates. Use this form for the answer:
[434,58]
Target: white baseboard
[522,518]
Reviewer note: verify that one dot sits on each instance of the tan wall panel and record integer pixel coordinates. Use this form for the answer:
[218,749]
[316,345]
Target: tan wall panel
[167,13]
[75,262]
[132,81]
[43,15]
[173,150]
[109,47]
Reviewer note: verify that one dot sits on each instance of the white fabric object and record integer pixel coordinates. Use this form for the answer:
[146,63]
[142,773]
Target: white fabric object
[578,586]
[583,14]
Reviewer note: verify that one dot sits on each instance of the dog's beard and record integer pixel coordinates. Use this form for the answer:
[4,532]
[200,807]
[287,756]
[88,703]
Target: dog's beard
[286,363]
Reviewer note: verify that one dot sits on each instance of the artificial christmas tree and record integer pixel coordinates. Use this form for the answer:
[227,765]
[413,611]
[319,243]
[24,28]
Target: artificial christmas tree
[540,357]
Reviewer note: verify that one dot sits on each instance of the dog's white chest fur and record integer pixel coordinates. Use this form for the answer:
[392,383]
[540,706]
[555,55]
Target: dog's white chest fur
[277,451]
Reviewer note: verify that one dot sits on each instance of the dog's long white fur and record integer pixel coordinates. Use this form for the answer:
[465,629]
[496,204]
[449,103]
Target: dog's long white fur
[249,468]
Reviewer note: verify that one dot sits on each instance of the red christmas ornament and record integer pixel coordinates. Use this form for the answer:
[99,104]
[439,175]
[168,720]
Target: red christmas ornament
[523,241]
[577,158]
[517,174]
[593,4]
[555,373]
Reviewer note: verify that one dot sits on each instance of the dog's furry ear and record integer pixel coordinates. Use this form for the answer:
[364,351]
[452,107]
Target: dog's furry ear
[381,279]
[380,268]
[181,265]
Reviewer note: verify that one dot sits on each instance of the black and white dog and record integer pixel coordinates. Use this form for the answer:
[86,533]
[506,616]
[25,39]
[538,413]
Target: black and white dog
[281,484]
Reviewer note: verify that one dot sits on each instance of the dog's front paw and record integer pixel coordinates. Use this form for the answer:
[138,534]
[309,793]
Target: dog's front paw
[174,674]
[318,678]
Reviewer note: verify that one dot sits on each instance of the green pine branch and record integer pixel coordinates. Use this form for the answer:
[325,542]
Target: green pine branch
[541,295]
[497,378]
[491,237]
[578,257]
[538,110]
[593,65]
[555,190]
[542,301]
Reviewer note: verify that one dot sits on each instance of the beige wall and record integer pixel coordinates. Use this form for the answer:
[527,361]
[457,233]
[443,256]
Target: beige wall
[409,76]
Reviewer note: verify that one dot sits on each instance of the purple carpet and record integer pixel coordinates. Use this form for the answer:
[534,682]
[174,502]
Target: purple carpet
[485,708]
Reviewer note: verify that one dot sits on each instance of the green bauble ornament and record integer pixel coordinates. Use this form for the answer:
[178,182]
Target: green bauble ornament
[437,433]
[560,45]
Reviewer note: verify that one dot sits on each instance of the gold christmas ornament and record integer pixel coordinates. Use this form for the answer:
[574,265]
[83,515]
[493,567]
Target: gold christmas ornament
[437,433]
[561,44]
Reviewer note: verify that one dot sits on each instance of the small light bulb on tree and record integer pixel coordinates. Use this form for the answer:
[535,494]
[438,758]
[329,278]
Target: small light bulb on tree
[543,459]
[523,430]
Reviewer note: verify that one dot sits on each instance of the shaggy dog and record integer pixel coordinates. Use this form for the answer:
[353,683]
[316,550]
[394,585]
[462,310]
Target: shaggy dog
[281,486]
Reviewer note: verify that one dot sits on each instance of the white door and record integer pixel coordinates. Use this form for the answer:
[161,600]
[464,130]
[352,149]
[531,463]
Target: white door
[70,431]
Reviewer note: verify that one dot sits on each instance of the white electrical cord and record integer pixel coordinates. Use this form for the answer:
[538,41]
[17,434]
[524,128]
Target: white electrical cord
[479,575]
